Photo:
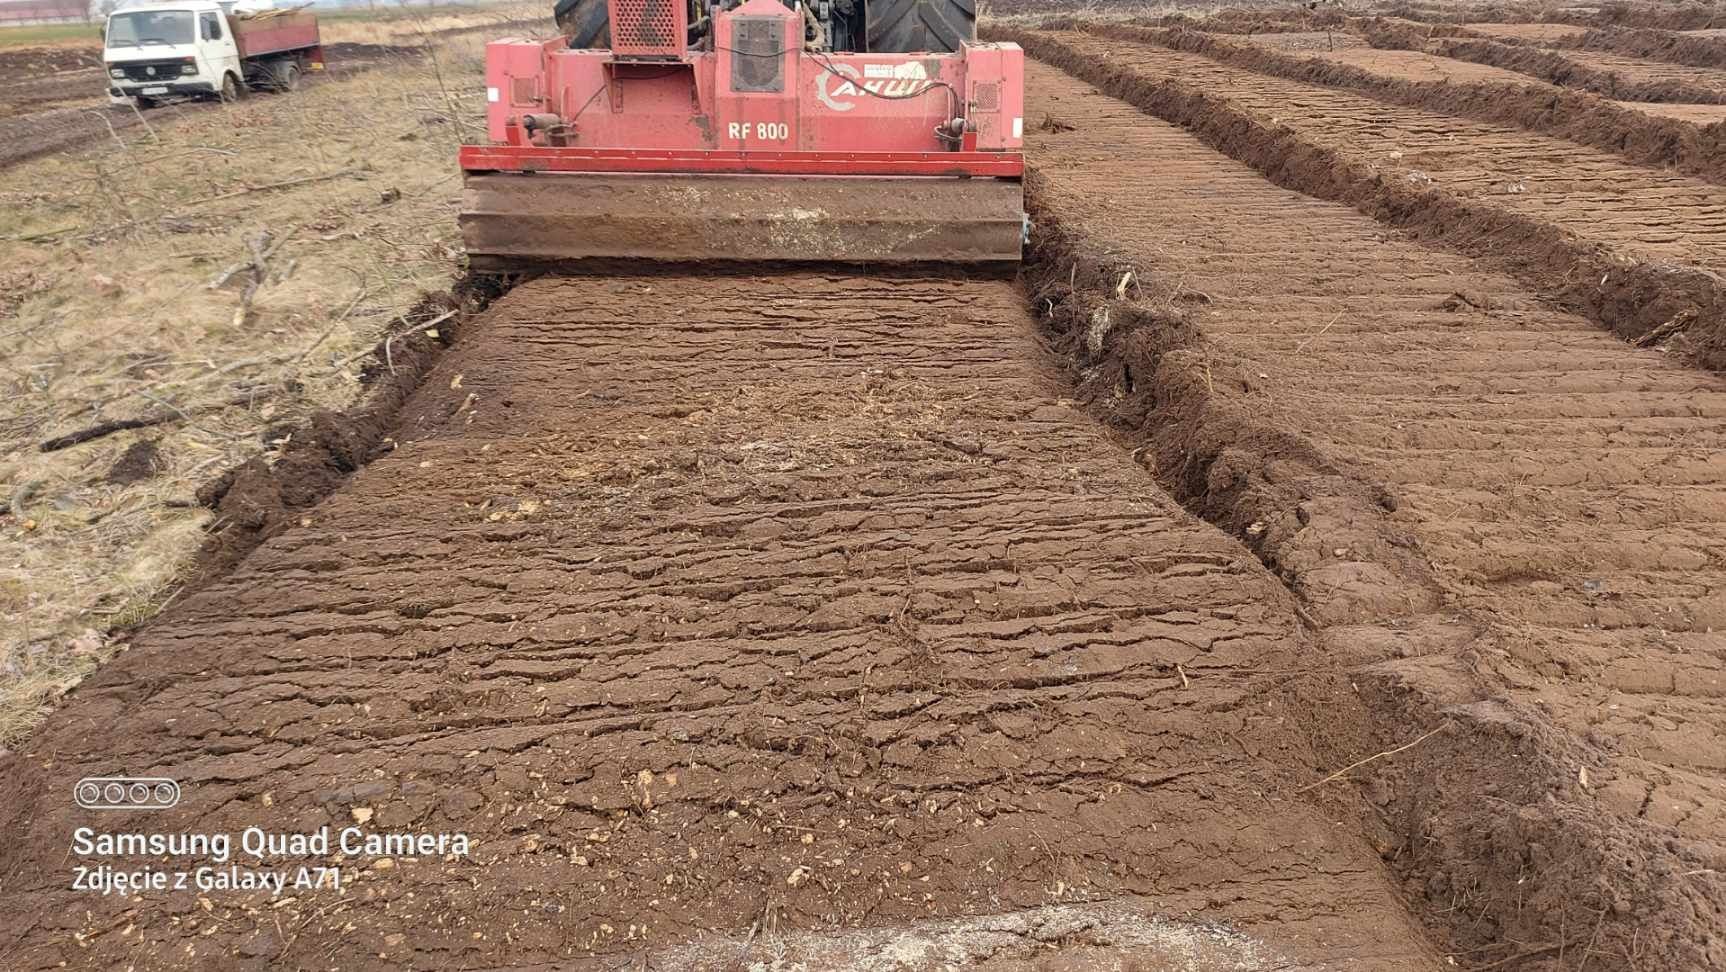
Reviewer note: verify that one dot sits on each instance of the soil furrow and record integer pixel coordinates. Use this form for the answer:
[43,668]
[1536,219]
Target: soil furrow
[1616,134]
[1505,61]
[735,630]
[1665,46]
[1546,210]
[1501,591]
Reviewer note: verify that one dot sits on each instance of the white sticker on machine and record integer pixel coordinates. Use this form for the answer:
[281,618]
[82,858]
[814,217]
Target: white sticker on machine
[1018,128]
[491,95]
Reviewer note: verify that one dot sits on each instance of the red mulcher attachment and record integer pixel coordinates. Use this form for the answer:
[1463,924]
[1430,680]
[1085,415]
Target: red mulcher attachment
[743,137]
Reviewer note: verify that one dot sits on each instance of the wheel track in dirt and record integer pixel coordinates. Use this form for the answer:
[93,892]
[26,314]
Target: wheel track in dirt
[1499,513]
[675,586]
[1632,247]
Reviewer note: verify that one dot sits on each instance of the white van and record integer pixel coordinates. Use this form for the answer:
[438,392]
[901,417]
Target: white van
[196,48]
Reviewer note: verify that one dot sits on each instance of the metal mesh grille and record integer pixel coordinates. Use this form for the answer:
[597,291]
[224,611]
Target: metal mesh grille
[648,26]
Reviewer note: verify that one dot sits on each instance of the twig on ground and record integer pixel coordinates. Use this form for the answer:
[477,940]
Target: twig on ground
[116,135]
[188,207]
[102,429]
[140,113]
[434,322]
[1357,764]
[38,235]
[1677,324]
[1321,332]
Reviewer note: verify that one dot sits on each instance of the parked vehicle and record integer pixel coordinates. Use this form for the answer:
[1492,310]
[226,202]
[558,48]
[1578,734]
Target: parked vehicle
[198,48]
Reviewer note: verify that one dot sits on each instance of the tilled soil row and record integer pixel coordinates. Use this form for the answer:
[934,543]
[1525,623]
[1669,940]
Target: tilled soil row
[733,618]
[258,499]
[1639,70]
[1577,117]
[1656,45]
[1509,525]
[1551,66]
[1651,16]
[1629,247]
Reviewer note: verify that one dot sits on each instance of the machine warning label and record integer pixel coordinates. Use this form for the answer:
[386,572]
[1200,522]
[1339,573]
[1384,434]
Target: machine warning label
[839,87]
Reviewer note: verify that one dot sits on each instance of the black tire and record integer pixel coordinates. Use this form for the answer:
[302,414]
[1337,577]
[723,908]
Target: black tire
[288,77]
[585,22]
[909,26]
[231,91]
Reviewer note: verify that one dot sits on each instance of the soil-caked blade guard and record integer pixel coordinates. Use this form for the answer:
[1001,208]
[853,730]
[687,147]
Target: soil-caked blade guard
[756,135]
[510,221]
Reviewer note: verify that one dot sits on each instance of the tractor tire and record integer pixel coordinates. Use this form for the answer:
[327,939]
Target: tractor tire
[911,26]
[586,23]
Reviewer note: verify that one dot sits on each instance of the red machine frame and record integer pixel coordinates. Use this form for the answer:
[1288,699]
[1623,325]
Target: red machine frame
[677,110]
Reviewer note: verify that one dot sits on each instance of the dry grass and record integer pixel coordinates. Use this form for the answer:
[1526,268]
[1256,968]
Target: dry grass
[396,24]
[113,305]
[51,35]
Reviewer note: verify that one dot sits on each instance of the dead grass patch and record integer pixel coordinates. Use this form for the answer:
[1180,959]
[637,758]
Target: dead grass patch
[224,271]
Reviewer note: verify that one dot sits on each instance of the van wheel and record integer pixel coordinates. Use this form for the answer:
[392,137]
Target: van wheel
[288,77]
[231,90]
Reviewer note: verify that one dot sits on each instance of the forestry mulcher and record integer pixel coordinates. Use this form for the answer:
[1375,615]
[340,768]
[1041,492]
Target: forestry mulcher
[854,131]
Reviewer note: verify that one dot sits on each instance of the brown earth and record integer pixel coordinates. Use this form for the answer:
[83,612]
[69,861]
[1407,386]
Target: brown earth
[730,614]
[1554,67]
[1491,508]
[1319,41]
[1583,119]
[1656,45]
[1694,114]
[1629,246]
[1645,72]
[804,620]
[1613,13]
[1403,64]
[1535,33]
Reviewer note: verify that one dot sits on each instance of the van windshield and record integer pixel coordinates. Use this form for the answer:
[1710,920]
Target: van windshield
[142,27]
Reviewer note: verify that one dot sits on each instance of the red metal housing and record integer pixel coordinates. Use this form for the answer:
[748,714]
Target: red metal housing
[757,102]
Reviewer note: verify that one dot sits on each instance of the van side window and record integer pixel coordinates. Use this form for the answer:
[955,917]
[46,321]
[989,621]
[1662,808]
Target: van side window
[212,26]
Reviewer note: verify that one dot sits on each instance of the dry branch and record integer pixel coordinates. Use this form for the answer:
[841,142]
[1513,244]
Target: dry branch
[104,429]
[1357,764]
[434,322]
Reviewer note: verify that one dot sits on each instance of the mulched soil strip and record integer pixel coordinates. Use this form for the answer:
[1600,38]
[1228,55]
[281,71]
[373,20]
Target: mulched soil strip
[1540,63]
[1150,370]
[1637,136]
[1655,45]
[729,604]
[1638,301]
[260,498]
[1653,16]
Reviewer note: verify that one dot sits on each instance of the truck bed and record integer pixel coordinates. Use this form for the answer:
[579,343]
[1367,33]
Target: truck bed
[273,33]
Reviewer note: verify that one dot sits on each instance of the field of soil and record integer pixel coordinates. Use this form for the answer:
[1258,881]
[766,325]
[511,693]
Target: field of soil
[1643,70]
[845,590]
[1315,559]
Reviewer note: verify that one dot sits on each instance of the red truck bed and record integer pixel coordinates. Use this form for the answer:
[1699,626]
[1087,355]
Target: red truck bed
[272,33]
